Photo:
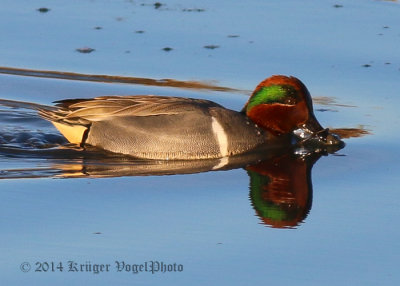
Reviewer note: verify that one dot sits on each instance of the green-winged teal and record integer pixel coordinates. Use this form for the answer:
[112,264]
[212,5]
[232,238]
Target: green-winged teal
[154,127]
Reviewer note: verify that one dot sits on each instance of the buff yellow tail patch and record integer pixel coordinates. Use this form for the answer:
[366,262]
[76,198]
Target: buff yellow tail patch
[73,133]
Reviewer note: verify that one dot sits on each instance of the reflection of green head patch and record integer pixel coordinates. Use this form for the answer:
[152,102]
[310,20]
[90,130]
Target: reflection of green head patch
[284,94]
[266,209]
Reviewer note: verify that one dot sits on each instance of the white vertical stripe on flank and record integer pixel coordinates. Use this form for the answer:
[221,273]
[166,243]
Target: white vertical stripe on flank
[221,137]
[222,163]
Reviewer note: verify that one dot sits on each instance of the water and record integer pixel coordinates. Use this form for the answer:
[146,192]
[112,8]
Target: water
[56,208]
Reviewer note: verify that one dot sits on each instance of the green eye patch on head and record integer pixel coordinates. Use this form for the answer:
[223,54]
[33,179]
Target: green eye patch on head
[284,94]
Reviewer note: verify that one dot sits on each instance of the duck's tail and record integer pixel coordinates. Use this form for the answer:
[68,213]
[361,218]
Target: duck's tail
[73,130]
[50,113]
[26,105]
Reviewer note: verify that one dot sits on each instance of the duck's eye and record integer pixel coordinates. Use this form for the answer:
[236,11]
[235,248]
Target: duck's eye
[291,97]
[289,101]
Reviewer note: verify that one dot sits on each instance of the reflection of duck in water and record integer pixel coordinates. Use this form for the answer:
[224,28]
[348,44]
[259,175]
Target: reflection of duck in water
[280,182]
[278,113]
[281,189]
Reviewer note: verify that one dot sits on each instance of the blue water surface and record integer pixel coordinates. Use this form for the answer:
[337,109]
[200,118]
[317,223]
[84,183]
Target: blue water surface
[205,221]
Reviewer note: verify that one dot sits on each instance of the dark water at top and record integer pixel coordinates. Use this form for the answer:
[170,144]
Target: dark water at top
[332,222]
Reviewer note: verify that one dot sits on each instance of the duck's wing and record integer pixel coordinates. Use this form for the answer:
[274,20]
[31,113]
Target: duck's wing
[74,117]
[85,111]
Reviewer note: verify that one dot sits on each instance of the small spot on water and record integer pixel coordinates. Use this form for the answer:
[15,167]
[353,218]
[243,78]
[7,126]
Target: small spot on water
[43,10]
[325,110]
[193,10]
[339,155]
[211,47]
[85,50]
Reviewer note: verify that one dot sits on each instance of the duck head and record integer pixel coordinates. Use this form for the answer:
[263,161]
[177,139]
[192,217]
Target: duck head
[283,106]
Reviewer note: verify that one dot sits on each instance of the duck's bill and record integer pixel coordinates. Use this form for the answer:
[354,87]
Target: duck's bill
[311,135]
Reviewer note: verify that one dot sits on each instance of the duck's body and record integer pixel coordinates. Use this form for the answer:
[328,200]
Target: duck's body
[156,127]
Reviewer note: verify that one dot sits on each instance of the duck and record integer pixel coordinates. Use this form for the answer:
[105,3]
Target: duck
[278,113]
